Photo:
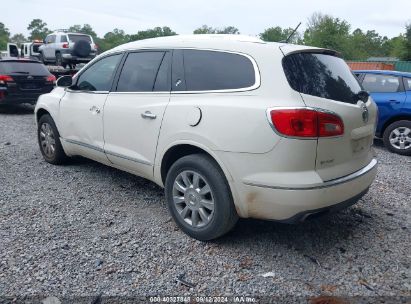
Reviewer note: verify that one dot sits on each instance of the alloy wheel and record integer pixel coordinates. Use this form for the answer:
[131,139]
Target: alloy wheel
[193,198]
[400,138]
[47,140]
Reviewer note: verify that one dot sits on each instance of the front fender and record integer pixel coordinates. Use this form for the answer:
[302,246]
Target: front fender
[50,102]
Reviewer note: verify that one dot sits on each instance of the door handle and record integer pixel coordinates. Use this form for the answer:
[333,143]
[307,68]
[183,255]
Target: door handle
[94,110]
[394,101]
[149,115]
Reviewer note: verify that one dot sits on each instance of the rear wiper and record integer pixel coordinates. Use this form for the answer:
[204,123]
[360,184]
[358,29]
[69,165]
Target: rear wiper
[19,72]
[363,95]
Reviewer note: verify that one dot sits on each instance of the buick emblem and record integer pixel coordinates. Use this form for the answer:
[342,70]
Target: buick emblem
[364,114]
[30,77]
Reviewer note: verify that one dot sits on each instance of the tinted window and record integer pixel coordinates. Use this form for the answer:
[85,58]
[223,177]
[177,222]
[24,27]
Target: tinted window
[52,39]
[407,83]
[381,83]
[23,67]
[208,70]
[98,77]
[77,37]
[63,38]
[321,75]
[140,72]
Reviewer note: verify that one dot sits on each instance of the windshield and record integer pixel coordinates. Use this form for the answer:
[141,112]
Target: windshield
[77,37]
[23,67]
[321,75]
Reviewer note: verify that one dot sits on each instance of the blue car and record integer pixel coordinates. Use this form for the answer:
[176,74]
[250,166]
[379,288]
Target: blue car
[391,91]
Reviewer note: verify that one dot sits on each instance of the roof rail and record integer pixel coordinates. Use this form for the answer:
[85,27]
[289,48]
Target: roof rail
[62,30]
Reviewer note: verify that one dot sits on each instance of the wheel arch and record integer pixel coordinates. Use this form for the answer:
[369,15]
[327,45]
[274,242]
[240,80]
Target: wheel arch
[181,149]
[394,119]
[40,112]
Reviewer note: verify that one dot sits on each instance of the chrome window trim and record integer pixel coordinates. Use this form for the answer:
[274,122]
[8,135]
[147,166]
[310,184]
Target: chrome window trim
[330,183]
[257,75]
[256,85]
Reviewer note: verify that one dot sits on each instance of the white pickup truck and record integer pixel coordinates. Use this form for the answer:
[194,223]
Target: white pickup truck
[28,50]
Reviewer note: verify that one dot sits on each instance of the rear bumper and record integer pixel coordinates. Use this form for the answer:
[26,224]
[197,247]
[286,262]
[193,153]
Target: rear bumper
[20,98]
[293,204]
[72,58]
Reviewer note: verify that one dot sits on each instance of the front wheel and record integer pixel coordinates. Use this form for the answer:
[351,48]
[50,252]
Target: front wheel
[397,137]
[49,141]
[199,197]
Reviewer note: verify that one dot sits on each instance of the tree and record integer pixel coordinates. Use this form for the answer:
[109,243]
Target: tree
[38,29]
[112,39]
[153,33]
[328,32]
[210,30]
[276,34]
[4,36]
[18,39]
[205,30]
[407,44]
[85,29]
[228,30]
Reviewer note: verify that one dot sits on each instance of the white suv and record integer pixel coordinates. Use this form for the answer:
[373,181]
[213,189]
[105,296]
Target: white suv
[64,48]
[231,126]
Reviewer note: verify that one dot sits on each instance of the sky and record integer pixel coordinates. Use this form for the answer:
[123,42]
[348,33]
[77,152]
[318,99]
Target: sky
[183,16]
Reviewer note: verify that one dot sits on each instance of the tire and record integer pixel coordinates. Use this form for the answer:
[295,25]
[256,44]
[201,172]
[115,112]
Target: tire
[48,137]
[397,137]
[41,58]
[82,48]
[202,214]
[59,59]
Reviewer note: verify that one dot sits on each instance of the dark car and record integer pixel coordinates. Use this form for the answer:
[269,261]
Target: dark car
[391,91]
[23,81]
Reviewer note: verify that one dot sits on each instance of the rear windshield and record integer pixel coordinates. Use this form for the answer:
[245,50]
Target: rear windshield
[321,75]
[24,68]
[74,38]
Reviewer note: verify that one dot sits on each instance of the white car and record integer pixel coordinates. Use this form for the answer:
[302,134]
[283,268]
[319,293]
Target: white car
[230,126]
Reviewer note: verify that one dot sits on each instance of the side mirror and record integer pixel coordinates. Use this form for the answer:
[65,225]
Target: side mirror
[65,81]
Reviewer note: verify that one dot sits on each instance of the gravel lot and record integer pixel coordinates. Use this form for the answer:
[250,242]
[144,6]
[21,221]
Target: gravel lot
[87,229]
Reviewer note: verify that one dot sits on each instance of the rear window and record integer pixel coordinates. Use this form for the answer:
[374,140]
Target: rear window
[74,38]
[321,75]
[210,70]
[29,68]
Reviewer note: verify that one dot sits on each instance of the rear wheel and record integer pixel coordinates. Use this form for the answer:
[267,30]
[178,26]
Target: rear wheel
[59,59]
[41,58]
[49,141]
[199,197]
[397,137]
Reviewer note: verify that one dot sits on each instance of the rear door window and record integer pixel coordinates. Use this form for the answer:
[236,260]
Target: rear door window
[321,75]
[98,77]
[379,83]
[407,83]
[144,72]
[212,70]
[77,37]
[23,68]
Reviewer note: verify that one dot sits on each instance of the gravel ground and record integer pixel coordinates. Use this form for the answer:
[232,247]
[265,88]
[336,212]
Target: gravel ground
[87,229]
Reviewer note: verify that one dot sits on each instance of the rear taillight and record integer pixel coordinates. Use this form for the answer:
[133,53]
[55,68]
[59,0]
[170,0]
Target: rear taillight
[65,45]
[303,122]
[51,79]
[5,78]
